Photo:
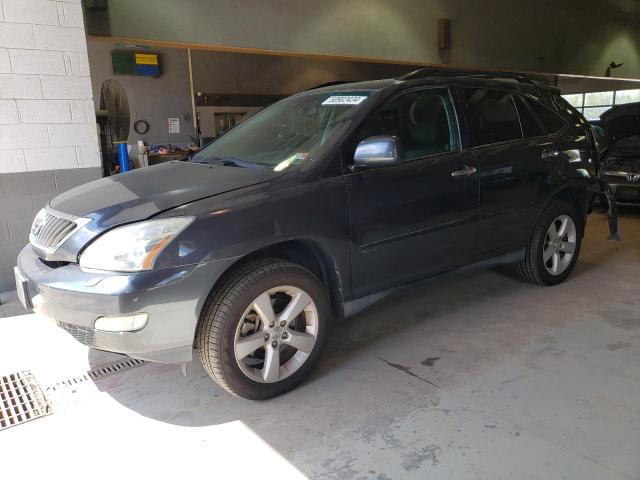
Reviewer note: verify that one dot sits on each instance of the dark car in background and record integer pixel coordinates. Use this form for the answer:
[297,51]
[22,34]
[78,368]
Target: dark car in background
[310,210]
[620,155]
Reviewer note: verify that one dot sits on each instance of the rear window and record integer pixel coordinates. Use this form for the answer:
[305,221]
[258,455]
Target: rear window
[492,115]
[531,124]
[552,122]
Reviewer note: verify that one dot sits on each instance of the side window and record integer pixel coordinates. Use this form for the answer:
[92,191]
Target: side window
[531,125]
[492,115]
[551,120]
[424,120]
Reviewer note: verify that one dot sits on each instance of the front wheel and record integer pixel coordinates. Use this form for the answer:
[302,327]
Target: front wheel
[554,247]
[263,330]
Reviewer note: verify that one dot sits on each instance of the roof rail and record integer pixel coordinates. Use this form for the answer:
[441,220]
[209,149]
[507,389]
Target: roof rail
[329,84]
[456,72]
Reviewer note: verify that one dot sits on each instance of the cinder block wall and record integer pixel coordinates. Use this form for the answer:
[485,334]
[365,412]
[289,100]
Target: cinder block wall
[48,140]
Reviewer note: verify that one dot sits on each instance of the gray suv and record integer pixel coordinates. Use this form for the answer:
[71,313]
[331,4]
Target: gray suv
[310,210]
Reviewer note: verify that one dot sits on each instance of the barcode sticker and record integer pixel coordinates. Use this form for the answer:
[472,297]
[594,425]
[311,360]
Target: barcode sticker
[344,100]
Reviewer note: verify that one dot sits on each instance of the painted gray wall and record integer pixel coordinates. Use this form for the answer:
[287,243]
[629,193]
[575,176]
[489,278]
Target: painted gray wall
[245,73]
[150,99]
[606,31]
[22,194]
[569,36]
[48,140]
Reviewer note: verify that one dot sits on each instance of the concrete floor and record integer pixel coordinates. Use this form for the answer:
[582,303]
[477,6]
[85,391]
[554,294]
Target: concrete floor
[479,376]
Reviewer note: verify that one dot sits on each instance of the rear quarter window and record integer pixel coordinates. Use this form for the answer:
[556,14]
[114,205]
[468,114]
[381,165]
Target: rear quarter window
[492,116]
[532,126]
[552,122]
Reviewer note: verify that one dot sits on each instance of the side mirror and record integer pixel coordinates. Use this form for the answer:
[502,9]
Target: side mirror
[379,151]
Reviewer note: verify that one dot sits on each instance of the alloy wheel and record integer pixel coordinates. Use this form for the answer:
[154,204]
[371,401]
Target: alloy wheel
[559,245]
[276,334]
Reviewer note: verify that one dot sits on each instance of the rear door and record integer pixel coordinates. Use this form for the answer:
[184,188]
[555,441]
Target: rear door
[412,219]
[517,163]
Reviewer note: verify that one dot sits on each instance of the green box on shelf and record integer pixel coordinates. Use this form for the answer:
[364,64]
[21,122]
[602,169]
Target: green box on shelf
[124,63]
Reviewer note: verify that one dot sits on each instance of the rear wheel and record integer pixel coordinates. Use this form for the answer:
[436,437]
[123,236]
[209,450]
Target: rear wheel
[262,332]
[554,247]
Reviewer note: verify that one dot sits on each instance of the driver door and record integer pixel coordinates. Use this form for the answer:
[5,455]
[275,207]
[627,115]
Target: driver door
[416,218]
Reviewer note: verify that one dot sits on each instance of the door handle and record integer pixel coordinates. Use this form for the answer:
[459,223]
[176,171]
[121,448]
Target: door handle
[548,153]
[467,171]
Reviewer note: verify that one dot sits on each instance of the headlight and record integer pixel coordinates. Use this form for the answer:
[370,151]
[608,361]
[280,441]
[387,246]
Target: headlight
[133,247]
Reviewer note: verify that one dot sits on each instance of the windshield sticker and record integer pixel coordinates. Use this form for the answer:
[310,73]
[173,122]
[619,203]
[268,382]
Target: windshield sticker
[345,100]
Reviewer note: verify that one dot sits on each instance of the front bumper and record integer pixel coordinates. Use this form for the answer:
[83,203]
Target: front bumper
[626,192]
[624,184]
[172,297]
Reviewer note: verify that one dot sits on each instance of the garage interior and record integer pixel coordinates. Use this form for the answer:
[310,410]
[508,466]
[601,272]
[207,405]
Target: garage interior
[472,376]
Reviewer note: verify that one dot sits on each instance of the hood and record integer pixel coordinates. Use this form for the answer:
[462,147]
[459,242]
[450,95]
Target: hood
[626,147]
[141,193]
[620,122]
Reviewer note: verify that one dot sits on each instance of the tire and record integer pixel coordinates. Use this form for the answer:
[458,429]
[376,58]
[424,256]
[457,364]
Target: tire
[533,268]
[230,310]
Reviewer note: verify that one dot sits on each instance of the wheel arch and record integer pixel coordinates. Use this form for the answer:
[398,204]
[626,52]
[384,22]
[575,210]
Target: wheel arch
[576,195]
[309,254]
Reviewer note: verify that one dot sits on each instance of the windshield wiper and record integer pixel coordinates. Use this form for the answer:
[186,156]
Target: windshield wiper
[227,161]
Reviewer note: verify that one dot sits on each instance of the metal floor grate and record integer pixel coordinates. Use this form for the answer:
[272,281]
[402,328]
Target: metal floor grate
[116,367]
[21,399]
[98,373]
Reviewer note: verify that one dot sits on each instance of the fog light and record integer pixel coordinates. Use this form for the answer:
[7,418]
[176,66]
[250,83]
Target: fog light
[122,323]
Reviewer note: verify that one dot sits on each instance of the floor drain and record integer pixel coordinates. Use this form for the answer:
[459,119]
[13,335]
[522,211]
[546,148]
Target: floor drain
[116,367]
[98,373]
[21,399]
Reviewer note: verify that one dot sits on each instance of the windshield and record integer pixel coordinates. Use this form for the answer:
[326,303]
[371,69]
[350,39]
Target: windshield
[285,134]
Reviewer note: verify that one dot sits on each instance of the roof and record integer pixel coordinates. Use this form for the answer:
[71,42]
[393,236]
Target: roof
[446,76]
[348,86]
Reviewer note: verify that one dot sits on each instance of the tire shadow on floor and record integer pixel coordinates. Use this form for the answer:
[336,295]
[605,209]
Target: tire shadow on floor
[163,393]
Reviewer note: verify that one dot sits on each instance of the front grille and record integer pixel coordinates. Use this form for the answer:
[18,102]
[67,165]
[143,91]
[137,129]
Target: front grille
[615,178]
[84,335]
[48,231]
